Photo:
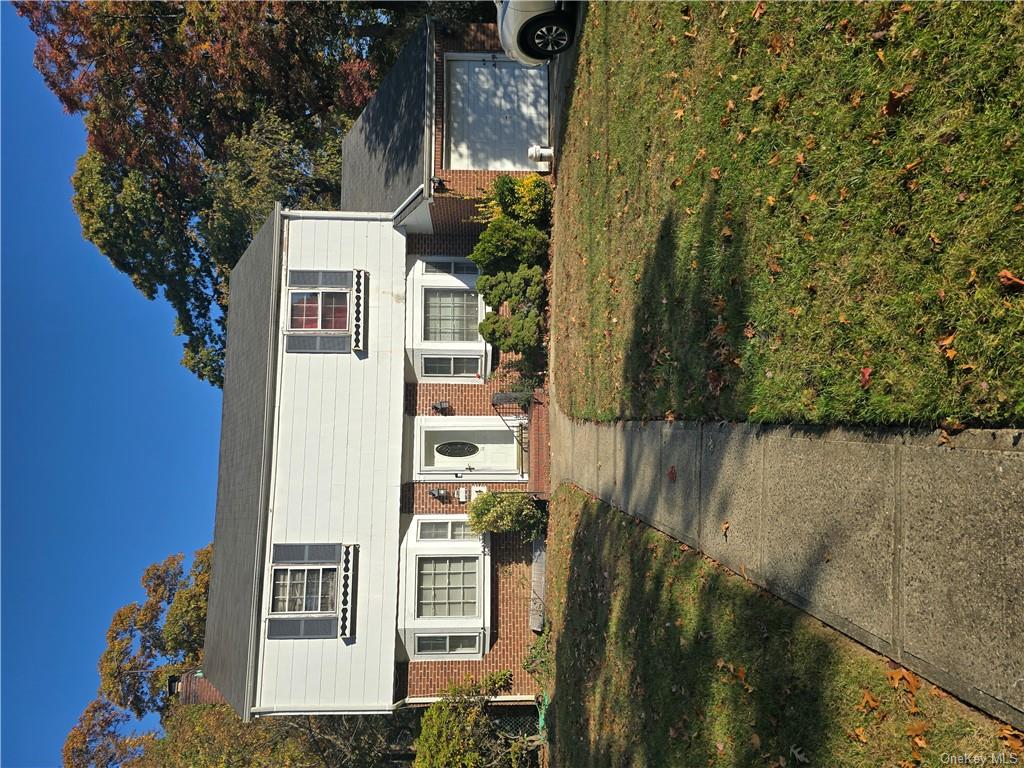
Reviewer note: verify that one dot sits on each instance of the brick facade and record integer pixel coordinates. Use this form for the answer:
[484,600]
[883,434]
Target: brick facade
[453,211]
[510,605]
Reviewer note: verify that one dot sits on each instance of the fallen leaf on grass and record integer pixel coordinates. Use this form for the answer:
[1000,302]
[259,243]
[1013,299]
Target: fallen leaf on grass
[755,93]
[758,11]
[716,173]
[938,692]
[676,182]
[865,377]
[857,734]
[917,728]
[896,99]
[679,114]
[755,741]
[867,701]
[1009,280]
[909,678]
[798,754]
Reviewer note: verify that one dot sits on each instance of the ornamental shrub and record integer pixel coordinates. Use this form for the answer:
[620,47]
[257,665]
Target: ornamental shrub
[506,513]
[456,731]
[526,199]
[523,289]
[520,333]
[506,244]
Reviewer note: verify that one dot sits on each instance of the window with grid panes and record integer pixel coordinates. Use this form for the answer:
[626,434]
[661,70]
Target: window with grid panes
[446,586]
[451,366]
[318,311]
[304,590]
[445,530]
[450,314]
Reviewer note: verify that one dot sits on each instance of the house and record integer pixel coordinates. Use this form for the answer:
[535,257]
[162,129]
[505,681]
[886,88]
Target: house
[362,410]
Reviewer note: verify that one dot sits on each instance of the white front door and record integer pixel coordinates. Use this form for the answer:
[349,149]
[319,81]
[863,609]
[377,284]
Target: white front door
[470,450]
[496,110]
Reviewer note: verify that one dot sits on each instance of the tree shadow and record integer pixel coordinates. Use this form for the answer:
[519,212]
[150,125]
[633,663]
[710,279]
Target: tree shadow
[665,658]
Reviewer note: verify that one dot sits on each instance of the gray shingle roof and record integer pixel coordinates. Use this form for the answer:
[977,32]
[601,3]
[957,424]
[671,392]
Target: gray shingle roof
[386,154]
[238,538]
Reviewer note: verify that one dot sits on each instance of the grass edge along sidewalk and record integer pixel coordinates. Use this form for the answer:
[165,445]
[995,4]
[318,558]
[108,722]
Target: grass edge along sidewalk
[658,656]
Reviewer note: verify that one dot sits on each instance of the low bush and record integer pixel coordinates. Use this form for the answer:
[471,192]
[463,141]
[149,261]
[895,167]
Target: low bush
[526,199]
[456,732]
[506,513]
[523,289]
[506,244]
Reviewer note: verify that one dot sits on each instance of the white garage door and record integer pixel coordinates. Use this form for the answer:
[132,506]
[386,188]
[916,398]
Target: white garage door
[496,110]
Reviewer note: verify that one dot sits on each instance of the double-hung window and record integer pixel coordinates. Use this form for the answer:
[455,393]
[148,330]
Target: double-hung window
[305,590]
[450,314]
[318,311]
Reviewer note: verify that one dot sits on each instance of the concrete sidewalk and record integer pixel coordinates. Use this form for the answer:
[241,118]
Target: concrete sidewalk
[914,549]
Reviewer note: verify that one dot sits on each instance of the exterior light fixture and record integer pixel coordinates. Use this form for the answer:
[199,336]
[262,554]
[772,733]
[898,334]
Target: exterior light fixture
[441,406]
[440,494]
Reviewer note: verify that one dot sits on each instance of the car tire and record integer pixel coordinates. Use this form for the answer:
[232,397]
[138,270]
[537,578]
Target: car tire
[546,36]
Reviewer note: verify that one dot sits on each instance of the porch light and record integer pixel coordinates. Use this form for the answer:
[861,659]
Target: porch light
[441,406]
[440,494]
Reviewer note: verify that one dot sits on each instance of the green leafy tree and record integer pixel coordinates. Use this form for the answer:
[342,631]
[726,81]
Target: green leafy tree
[199,116]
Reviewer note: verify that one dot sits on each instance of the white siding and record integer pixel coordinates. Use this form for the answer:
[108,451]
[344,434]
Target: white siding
[337,472]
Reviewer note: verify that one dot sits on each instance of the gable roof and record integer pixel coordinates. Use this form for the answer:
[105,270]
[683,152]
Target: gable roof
[386,154]
[243,479]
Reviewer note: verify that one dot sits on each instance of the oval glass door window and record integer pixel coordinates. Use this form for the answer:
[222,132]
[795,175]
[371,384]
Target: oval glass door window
[457,449]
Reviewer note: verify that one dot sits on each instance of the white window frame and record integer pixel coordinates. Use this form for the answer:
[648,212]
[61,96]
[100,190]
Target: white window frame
[303,567]
[477,596]
[481,311]
[450,356]
[318,331]
[449,521]
[418,279]
[410,625]
[447,638]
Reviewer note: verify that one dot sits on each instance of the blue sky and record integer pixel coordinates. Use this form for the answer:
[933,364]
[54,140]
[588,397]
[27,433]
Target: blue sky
[109,445]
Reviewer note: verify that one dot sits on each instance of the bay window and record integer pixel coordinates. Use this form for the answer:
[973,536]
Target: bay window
[450,314]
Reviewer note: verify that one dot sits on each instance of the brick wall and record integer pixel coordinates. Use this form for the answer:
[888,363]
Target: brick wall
[510,605]
[416,498]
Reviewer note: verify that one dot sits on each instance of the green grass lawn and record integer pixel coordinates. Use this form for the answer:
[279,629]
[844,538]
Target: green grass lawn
[658,657]
[798,217]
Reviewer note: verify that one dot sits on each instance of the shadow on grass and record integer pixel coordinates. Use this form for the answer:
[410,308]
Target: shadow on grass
[663,658]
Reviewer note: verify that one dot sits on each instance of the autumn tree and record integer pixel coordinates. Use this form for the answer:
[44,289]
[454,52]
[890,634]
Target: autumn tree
[98,741]
[198,117]
[147,642]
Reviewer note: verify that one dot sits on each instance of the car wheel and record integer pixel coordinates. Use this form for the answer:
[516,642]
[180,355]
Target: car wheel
[546,36]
